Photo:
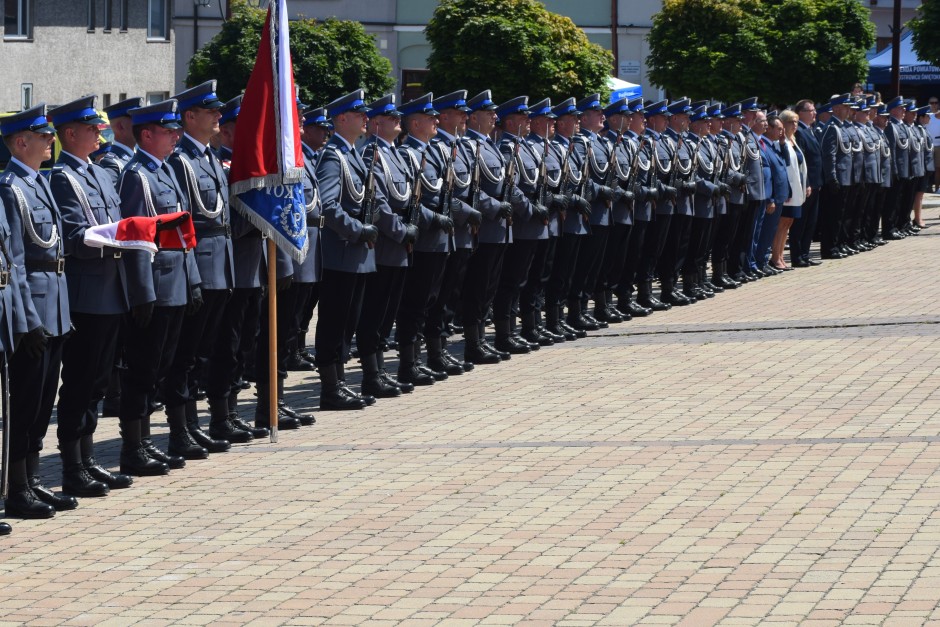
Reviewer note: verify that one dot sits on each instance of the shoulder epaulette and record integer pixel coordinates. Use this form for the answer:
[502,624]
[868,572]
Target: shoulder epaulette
[7,178]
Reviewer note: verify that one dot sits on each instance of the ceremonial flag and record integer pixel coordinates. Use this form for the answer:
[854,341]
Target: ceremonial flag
[266,177]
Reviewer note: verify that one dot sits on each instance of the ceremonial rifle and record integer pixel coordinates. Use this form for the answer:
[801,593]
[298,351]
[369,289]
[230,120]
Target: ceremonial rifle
[414,206]
[510,183]
[368,203]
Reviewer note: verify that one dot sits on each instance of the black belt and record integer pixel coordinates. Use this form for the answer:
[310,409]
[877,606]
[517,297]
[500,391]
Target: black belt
[57,266]
[4,278]
[316,222]
[213,231]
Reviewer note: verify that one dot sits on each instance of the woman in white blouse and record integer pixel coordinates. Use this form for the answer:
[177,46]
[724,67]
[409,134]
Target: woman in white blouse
[796,176]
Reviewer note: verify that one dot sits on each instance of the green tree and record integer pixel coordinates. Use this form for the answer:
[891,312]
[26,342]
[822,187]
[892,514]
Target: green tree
[512,47]
[926,31]
[330,58]
[781,51]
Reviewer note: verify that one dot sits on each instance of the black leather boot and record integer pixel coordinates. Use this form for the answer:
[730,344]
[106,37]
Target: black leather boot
[438,362]
[407,369]
[437,375]
[575,320]
[670,295]
[262,414]
[332,396]
[368,399]
[175,462]
[530,331]
[220,425]
[553,325]
[256,432]
[449,358]
[115,481]
[372,382]
[283,408]
[473,350]
[505,341]
[21,501]
[134,458]
[646,299]
[75,479]
[202,438]
[182,444]
[60,502]
[690,287]
[388,378]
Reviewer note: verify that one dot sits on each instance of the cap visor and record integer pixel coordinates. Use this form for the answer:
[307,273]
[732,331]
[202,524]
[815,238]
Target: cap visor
[44,130]
[170,125]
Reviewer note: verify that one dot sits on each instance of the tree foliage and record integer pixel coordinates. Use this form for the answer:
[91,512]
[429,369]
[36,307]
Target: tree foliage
[781,51]
[926,31]
[512,47]
[330,58]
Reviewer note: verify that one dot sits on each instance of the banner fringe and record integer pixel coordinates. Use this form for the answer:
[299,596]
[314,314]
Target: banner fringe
[268,231]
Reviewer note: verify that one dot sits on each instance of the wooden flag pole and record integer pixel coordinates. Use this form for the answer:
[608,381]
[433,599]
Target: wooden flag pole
[272,338]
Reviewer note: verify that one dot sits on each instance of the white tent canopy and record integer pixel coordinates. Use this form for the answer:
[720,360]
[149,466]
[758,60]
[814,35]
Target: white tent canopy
[622,89]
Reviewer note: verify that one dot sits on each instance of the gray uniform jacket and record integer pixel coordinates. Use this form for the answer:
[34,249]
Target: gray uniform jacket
[621,158]
[393,178]
[595,152]
[733,174]
[165,280]
[309,270]
[574,224]
[12,316]
[752,167]
[492,179]
[115,161]
[527,168]
[34,218]
[662,165]
[553,173]
[461,163]
[206,187]
[97,282]
[341,175]
[682,153]
[837,159]
[918,163]
[247,246]
[646,179]
[884,157]
[899,141]
[852,134]
[871,153]
[430,239]
[703,202]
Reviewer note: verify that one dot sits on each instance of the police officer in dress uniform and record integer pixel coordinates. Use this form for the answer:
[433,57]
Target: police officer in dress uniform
[205,184]
[37,248]
[452,125]
[347,241]
[592,149]
[708,190]
[11,306]
[918,169]
[871,175]
[28,133]
[721,201]
[97,286]
[656,114]
[122,148]
[646,196]
[529,224]
[880,123]
[435,235]
[682,177]
[575,226]
[548,194]
[854,199]
[732,150]
[487,197]
[837,162]
[317,130]
[622,148]
[392,175]
[899,142]
[161,287]
[303,289]
[226,359]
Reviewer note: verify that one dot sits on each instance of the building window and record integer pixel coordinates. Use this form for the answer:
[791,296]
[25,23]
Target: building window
[105,101]
[91,16]
[107,16]
[17,19]
[123,21]
[158,20]
[26,95]
[153,97]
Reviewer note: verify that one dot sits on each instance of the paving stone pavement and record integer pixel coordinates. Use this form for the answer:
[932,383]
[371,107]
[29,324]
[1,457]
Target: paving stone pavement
[769,456]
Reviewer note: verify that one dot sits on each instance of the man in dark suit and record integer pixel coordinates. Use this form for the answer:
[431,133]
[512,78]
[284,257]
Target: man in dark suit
[33,253]
[97,286]
[347,242]
[801,233]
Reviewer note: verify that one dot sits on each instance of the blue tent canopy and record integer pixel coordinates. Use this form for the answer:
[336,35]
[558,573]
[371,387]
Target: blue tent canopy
[622,89]
[913,70]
